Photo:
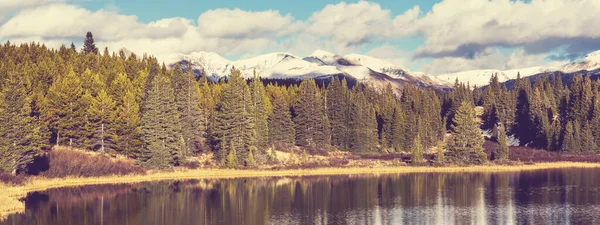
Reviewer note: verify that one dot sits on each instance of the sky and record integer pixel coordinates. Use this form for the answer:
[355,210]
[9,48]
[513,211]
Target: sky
[433,36]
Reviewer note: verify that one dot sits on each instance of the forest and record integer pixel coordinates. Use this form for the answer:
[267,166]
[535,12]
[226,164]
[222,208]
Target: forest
[117,103]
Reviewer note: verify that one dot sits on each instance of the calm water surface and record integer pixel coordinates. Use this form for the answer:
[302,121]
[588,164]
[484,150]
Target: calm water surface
[566,196]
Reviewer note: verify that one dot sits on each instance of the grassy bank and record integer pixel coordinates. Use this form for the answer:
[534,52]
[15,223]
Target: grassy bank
[10,195]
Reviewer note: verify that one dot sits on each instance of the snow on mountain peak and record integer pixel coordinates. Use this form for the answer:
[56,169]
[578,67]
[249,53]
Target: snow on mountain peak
[319,64]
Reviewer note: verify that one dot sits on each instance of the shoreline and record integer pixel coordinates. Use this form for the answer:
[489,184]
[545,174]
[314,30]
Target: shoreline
[10,195]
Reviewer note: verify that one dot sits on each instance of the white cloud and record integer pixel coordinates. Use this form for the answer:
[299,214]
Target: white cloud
[490,58]
[391,54]
[457,34]
[462,28]
[62,20]
[237,23]
[350,25]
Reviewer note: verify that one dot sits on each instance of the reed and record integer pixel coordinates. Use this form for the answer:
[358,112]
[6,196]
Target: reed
[9,195]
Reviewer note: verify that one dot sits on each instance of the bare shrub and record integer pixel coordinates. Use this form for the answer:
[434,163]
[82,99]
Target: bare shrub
[77,163]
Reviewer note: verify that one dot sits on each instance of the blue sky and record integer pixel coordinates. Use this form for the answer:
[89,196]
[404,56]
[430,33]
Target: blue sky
[436,37]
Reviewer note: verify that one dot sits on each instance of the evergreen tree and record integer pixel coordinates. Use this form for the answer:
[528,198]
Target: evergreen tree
[233,123]
[128,130]
[88,44]
[259,114]
[417,151]
[466,143]
[311,123]
[191,118]
[65,111]
[337,111]
[101,118]
[398,129]
[160,125]
[19,134]
[501,151]
[281,127]
[363,124]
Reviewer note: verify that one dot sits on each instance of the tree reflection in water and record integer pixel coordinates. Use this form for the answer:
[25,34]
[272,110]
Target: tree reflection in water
[533,197]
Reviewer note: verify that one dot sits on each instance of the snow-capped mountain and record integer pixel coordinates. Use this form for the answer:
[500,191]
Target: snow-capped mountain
[319,64]
[590,64]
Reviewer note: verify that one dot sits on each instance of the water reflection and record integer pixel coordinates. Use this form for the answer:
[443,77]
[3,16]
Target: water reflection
[535,197]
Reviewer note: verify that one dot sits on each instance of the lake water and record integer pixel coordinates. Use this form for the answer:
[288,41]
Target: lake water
[565,196]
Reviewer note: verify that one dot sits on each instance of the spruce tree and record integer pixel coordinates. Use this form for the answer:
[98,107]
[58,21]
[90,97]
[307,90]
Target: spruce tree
[65,110]
[337,111]
[128,128]
[19,134]
[501,151]
[259,114]
[88,44]
[399,129]
[101,115]
[311,122]
[281,126]
[466,143]
[191,118]
[417,151]
[362,125]
[233,125]
[160,125]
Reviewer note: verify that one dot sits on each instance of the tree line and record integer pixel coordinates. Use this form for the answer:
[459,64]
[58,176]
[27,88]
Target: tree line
[117,103]
[546,113]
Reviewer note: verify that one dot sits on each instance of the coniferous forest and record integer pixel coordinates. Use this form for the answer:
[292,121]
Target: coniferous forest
[117,103]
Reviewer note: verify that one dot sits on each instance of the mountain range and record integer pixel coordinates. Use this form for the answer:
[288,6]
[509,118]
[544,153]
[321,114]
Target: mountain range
[362,68]
[319,64]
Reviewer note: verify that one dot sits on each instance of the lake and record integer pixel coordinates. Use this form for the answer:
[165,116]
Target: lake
[559,196]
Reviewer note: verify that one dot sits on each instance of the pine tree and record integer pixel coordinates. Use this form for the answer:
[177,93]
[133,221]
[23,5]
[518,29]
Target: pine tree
[386,117]
[311,123]
[191,118]
[417,151]
[231,160]
[398,130]
[466,143]
[568,138]
[101,115]
[65,110]
[160,125]
[19,135]
[281,126]
[88,44]
[337,111]
[501,151]
[259,114]
[362,125]
[233,123]
[128,128]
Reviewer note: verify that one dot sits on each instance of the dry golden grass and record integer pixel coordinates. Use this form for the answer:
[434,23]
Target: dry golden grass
[9,195]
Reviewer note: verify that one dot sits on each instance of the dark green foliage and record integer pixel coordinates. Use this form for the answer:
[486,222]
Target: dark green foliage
[311,122]
[501,151]
[417,151]
[466,144]
[259,114]
[161,132]
[362,125]
[19,132]
[65,111]
[88,44]
[191,115]
[338,112]
[281,126]
[233,125]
